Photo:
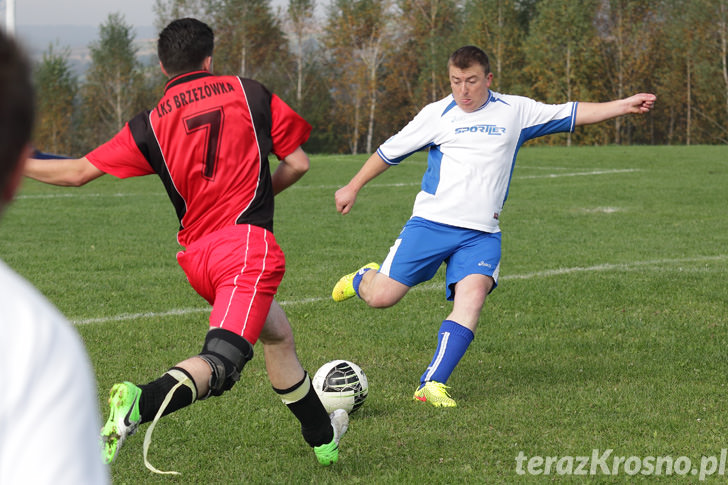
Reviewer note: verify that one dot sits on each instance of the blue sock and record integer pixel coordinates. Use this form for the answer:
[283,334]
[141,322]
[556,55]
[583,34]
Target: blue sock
[357,279]
[452,341]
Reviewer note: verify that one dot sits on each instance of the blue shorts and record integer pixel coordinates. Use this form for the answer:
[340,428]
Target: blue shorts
[423,246]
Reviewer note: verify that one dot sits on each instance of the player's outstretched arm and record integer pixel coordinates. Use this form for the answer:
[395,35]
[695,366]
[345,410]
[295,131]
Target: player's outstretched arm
[588,113]
[290,170]
[68,172]
[346,195]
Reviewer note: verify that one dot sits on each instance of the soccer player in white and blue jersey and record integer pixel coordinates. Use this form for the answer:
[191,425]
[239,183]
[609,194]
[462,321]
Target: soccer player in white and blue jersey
[473,137]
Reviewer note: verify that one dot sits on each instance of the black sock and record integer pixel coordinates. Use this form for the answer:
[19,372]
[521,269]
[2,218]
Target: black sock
[153,394]
[305,404]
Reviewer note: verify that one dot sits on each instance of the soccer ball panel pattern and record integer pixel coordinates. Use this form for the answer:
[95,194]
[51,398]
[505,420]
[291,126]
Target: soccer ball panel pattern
[341,384]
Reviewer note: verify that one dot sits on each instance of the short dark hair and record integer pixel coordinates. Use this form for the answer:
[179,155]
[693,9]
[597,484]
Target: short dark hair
[468,55]
[184,44]
[17,105]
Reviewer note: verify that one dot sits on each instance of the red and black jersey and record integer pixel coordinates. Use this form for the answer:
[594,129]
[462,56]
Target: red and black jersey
[208,139]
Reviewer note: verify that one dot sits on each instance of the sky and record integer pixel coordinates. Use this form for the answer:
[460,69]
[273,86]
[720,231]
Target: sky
[81,12]
[86,12]
[75,23]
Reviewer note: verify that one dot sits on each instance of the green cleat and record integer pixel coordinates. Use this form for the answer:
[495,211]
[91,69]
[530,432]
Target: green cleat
[436,394]
[344,288]
[328,454]
[124,418]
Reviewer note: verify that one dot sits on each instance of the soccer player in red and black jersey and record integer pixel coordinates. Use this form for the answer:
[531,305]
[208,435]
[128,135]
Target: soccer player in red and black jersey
[208,139]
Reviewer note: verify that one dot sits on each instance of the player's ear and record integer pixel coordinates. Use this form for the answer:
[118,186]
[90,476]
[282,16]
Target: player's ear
[15,178]
[164,71]
[207,64]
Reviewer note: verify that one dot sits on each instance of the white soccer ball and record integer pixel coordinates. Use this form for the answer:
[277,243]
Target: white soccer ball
[341,384]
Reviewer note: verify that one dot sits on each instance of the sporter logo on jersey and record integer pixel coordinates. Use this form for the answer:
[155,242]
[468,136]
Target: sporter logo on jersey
[487,129]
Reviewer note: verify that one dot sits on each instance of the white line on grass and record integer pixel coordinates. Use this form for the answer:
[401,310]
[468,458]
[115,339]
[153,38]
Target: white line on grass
[133,316]
[428,286]
[605,210]
[615,267]
[578,174]
[526,177]
[325,187]
[85,195]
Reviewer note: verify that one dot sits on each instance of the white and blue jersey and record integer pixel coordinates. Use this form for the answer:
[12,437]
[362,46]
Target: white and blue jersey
[472,155]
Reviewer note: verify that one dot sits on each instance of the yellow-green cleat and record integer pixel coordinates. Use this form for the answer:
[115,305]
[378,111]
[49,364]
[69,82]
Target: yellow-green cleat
[328,454]
[436,394]
[124,419]
[344,288]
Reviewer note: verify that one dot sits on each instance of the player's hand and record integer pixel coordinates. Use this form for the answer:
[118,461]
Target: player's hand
[641,103]
[345,198]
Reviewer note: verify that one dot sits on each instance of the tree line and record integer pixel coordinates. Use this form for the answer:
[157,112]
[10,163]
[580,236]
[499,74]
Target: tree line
[358,70]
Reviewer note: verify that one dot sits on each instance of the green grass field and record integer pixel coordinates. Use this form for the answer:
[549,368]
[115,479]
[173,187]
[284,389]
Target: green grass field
[608,330]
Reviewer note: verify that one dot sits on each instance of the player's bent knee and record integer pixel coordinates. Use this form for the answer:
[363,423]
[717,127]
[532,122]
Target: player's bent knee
[382,291]
[226,353]
[276,332]
[384,297]
[279,337]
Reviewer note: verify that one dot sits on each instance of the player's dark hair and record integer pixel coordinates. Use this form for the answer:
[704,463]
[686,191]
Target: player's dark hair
[468,55]
[184,44]
[17,105]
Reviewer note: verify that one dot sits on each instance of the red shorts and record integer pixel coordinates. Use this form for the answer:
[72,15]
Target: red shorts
[237,270]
